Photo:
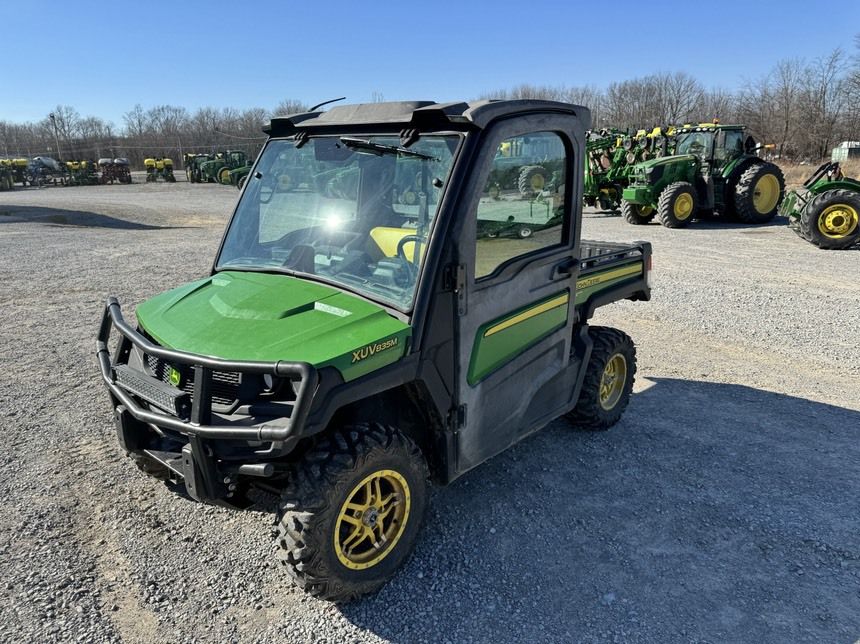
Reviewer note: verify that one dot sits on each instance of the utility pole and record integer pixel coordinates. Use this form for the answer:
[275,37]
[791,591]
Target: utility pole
[56,136]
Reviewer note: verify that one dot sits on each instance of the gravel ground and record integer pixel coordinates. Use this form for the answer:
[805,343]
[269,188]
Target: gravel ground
[723,507]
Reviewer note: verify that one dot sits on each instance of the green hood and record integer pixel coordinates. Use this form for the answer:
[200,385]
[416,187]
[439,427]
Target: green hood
[651,163]
[261,316]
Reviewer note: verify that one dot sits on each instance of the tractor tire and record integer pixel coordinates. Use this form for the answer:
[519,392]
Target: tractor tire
[677,205]
[241,182]
[758,193]
[332,533]
[608,380]
[224,176]
[637,214]
[832,220]
[532,180]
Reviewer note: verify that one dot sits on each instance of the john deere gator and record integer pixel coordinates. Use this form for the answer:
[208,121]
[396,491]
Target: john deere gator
[347,348]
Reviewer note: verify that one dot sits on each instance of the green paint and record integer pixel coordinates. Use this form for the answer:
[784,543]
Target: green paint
[262,316]
[490,352]
[588,286]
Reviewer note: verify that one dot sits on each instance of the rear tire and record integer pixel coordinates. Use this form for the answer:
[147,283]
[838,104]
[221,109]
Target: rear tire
[832,220]
[637,214]
[677,205]
[758,193]
[332,533]
[532,180]
[608,380]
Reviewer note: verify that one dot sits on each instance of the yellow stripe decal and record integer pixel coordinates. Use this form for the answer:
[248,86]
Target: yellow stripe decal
[530,313]
[609,275]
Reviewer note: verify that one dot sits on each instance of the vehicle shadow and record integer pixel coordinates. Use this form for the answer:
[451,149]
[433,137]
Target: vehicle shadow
[62,217]
[711,512]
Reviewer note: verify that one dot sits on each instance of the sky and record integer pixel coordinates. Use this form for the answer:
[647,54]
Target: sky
[102,58]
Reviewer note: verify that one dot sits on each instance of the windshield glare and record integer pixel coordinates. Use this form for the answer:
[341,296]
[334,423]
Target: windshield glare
[356,216]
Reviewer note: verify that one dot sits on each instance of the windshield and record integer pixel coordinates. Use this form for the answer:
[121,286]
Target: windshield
[698,143]
[356,212]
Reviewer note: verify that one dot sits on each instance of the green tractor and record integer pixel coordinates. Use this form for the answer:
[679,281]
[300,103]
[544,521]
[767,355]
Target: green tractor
[714,168]
[826,211]
[193,163]
[217,169]
[236,169]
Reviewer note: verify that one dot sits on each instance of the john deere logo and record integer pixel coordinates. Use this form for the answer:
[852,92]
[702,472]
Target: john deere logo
[173,376]
[372,349]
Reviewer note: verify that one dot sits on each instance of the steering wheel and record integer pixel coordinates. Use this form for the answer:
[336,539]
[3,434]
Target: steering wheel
[401,252]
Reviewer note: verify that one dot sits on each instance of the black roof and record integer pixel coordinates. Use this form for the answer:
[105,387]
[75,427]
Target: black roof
[419,115]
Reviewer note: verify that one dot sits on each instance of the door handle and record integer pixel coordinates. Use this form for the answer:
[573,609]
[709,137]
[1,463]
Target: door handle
[564,268]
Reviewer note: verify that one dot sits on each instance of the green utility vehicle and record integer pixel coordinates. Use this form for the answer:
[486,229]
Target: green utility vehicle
[826,211]
[714,168]
[348,348]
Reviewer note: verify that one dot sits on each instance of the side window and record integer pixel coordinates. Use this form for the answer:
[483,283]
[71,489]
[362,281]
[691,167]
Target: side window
[522,207]
[734,145]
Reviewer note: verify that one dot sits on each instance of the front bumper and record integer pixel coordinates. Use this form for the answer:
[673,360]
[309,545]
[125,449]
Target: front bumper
[178,430]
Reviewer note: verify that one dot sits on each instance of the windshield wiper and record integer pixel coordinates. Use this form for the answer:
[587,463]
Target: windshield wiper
[379,149]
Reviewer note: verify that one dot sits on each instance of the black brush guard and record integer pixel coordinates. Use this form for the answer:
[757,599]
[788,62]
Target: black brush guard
[196,463]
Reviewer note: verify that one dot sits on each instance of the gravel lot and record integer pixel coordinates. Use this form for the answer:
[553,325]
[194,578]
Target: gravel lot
[723,508]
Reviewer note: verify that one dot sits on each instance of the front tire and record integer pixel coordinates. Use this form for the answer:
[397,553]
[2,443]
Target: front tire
[637,214]
[677,205]
[758,193]
[832,220]
[352,511]
[608,380]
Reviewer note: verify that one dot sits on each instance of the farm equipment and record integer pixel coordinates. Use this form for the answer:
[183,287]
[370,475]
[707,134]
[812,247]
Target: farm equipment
[713,168]
[826,211]
[193,161]
[611,155]
[114,170]
[7,178]
[16,169]
[82,173]
[347,347]
[217,169]
[159,168]
[43,170]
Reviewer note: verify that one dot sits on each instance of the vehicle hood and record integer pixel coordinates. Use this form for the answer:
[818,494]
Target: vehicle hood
[652,163]
[270,317]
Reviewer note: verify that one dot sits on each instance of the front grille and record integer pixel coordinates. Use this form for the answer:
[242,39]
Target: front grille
[225,384]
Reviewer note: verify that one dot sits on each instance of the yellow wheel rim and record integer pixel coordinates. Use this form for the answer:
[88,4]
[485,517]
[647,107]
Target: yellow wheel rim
[372,519]
[612,381]
[683,207]
[537,182]
[766,193]
[225,176]
[838,221]
[646,210]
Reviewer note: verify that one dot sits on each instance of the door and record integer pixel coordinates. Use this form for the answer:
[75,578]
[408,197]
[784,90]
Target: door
[517,248]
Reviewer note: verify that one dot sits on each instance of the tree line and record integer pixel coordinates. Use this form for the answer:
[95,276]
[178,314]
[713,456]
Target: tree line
[159,131]
[803,107]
